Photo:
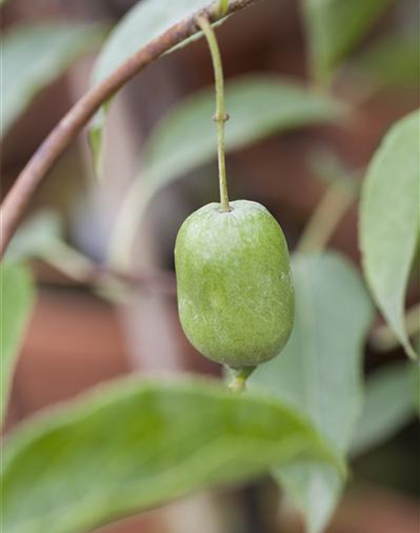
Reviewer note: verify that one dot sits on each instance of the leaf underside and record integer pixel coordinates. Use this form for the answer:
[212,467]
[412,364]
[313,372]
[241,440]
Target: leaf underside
[138,444]
[318,373]
[390,223]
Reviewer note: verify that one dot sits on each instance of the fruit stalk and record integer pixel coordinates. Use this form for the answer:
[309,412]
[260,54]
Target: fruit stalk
[220,116]
[238,377]
[222,7]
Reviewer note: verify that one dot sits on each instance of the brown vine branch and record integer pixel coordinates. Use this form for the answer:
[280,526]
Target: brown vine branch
[81,270]
[17,200]
[159,281]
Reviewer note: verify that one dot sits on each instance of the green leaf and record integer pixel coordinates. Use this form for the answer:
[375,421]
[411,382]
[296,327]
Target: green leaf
[184,139]
[16,299]
[136,445]
[334,27]
[41,237]
[34,55]
[318,373]
[37,237]
[389,221]
[390,61]
[143,23]
[390,404]
[258,106]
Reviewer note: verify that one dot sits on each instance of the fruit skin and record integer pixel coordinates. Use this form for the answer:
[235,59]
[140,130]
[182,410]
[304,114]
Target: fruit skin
[235,289]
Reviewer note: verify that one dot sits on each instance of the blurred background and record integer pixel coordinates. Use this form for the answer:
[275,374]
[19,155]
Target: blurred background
[79,335]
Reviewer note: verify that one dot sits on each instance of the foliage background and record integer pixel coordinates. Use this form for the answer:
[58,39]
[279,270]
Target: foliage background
[287,147]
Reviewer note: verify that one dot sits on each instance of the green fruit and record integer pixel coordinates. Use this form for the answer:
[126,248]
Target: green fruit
[235,291]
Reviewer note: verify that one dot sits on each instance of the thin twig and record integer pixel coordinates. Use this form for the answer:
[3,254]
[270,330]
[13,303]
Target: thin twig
[82,270]
[324,220]
[101,278]
[16,202]
[159,282]
[383,337]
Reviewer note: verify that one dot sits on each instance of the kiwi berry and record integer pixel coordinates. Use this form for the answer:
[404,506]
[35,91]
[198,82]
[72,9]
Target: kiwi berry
[235,289]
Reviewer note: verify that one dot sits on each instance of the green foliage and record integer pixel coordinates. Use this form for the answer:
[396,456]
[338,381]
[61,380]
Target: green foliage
[16,299]
[259,106]
[318,373]
[143,23]
[390,61]
[38,237]
[135,445]
[185,138]
[42,237]
[35,55]
[334,27]
[390,404]
[389,221]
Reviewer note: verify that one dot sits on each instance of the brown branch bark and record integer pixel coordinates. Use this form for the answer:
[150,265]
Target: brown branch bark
[158,281]
[16,202]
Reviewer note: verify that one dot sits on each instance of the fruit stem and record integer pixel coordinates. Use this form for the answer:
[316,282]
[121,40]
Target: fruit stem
[238,377]
[222,7]
[220,116]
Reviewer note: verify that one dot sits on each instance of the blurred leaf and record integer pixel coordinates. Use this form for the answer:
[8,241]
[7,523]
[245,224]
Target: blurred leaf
[41,237]
[391,60]
[16,299]
[318,373]
[259,106]
[37,236]
[136,445]
[143,23]
[33,56]
[329,169]
[390,404]
[334,27]
[96,139]
[389,220]
[342,189]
